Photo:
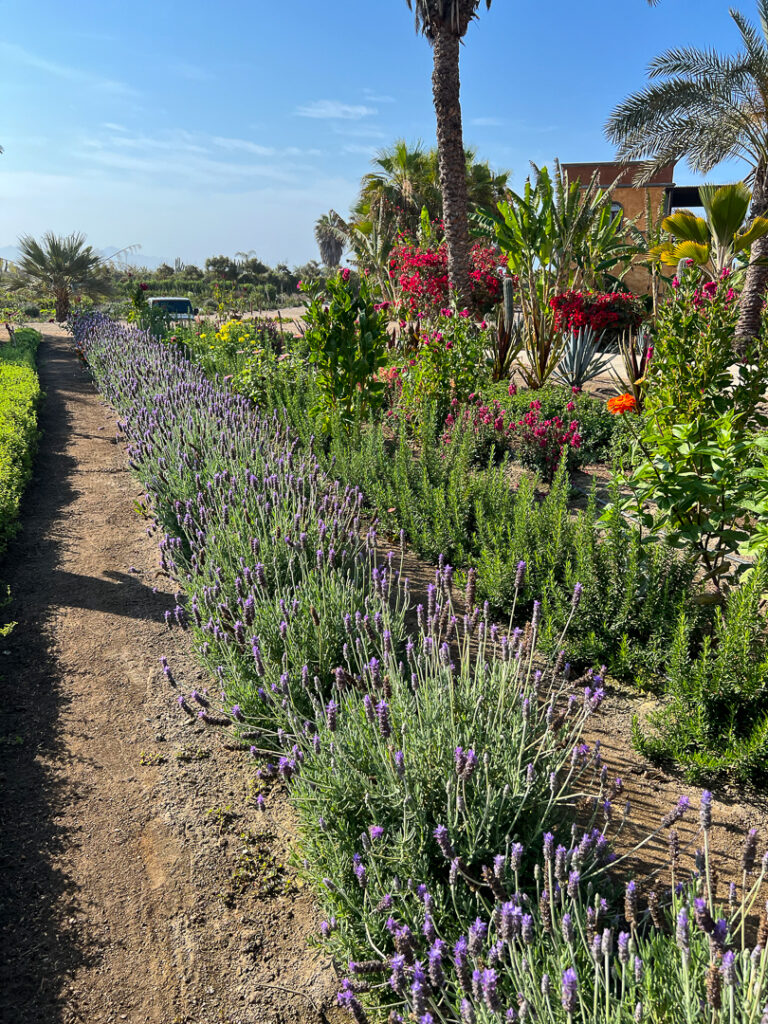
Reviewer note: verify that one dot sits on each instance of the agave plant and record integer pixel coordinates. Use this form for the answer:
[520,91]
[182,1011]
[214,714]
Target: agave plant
[581,360]
[714,242]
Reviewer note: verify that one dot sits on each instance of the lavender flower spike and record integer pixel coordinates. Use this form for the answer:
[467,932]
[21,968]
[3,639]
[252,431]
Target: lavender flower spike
[570,987]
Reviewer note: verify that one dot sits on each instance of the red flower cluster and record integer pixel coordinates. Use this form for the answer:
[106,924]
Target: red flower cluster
[599,310]
[422,275]
[539,443]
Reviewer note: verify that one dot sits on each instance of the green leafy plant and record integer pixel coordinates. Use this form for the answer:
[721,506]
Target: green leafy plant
[148,318]
[19,396]
[347,340]
[697,438]
[715,242]
[557,235]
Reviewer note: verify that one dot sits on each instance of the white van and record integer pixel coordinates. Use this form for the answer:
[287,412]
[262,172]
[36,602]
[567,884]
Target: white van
[175,306]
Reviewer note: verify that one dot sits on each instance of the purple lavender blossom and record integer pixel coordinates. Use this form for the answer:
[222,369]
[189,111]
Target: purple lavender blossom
[705,810]
[444,842]
[570,988]
[382,713]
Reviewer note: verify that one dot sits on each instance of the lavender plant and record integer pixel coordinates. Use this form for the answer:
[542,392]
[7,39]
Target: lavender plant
[267,546]
[428,773]
[572,951]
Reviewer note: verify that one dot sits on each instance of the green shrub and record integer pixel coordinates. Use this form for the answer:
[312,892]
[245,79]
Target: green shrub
[716,721]
[19,394]
[347,336]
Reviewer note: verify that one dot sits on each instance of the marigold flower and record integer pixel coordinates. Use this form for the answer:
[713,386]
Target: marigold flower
[622,403]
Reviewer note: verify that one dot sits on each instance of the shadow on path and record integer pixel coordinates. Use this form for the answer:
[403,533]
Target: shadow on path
[41,943]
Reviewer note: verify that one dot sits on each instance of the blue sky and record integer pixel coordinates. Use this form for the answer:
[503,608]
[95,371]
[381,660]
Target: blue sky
[194,129]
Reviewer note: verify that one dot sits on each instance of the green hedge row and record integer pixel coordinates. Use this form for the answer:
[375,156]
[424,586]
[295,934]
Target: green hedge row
[19,395]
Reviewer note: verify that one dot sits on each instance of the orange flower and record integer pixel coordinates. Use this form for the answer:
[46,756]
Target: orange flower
[622,403]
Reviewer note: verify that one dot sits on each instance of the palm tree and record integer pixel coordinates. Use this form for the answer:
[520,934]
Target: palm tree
[63,265]
[402,182]
[406,180]
[713,244]
[445,23]
[330,235]
[708,107]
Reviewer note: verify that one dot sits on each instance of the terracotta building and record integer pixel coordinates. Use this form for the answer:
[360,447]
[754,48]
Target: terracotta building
[631,200]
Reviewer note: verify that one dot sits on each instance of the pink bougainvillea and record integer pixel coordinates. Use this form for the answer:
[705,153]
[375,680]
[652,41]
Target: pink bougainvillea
[539,443]
[421,275]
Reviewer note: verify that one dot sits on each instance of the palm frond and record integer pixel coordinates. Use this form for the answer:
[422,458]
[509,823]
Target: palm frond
[691,62]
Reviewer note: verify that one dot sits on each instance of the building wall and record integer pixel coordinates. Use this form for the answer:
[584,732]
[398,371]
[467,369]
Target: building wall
[631,198]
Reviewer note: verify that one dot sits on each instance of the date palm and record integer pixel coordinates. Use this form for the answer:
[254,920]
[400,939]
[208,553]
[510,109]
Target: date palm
[63,265]
[708,107]
[445,23]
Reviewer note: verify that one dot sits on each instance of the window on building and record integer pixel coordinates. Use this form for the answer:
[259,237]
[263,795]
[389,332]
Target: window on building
[617,210]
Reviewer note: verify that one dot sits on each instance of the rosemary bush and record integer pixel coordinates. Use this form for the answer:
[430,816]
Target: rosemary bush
[716,720]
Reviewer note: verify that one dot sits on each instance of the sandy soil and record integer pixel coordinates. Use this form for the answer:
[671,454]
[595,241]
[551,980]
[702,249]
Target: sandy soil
[137,881]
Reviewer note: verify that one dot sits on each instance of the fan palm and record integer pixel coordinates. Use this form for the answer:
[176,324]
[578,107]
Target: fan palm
[708,107]
[330,235]
[713,244]
[445,23]
[63,265]
[406,180]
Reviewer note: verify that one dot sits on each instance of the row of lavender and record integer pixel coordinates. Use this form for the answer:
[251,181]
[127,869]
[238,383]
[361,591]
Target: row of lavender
[437,777]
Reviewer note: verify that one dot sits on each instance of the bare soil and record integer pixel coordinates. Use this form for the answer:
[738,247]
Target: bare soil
[137,881]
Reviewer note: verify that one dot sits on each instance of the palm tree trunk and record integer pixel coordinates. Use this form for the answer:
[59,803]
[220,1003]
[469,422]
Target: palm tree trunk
[62,304]
[450,148]
[753,295]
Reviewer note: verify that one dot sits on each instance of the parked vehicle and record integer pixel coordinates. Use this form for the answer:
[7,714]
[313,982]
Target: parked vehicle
[175,306]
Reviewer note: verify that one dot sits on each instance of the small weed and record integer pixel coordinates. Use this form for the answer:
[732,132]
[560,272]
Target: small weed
[223,817]
[258,872]
[190,753]
[151,757]
[14,740]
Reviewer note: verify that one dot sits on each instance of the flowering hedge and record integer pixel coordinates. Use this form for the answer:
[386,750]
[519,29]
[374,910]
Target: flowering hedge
[602,311]
[436,777]
[421,273]
[538,440]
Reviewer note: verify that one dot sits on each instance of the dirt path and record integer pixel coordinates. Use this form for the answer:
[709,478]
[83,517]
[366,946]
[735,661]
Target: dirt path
[137,882]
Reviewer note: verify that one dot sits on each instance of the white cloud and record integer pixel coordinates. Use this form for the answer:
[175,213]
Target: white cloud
[356,148]
[14,53]
[487,122]
[360,132]
[333,110]
[373,97]
[193,159]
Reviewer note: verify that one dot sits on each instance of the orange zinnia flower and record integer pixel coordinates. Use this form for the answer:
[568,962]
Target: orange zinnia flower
[622,403]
